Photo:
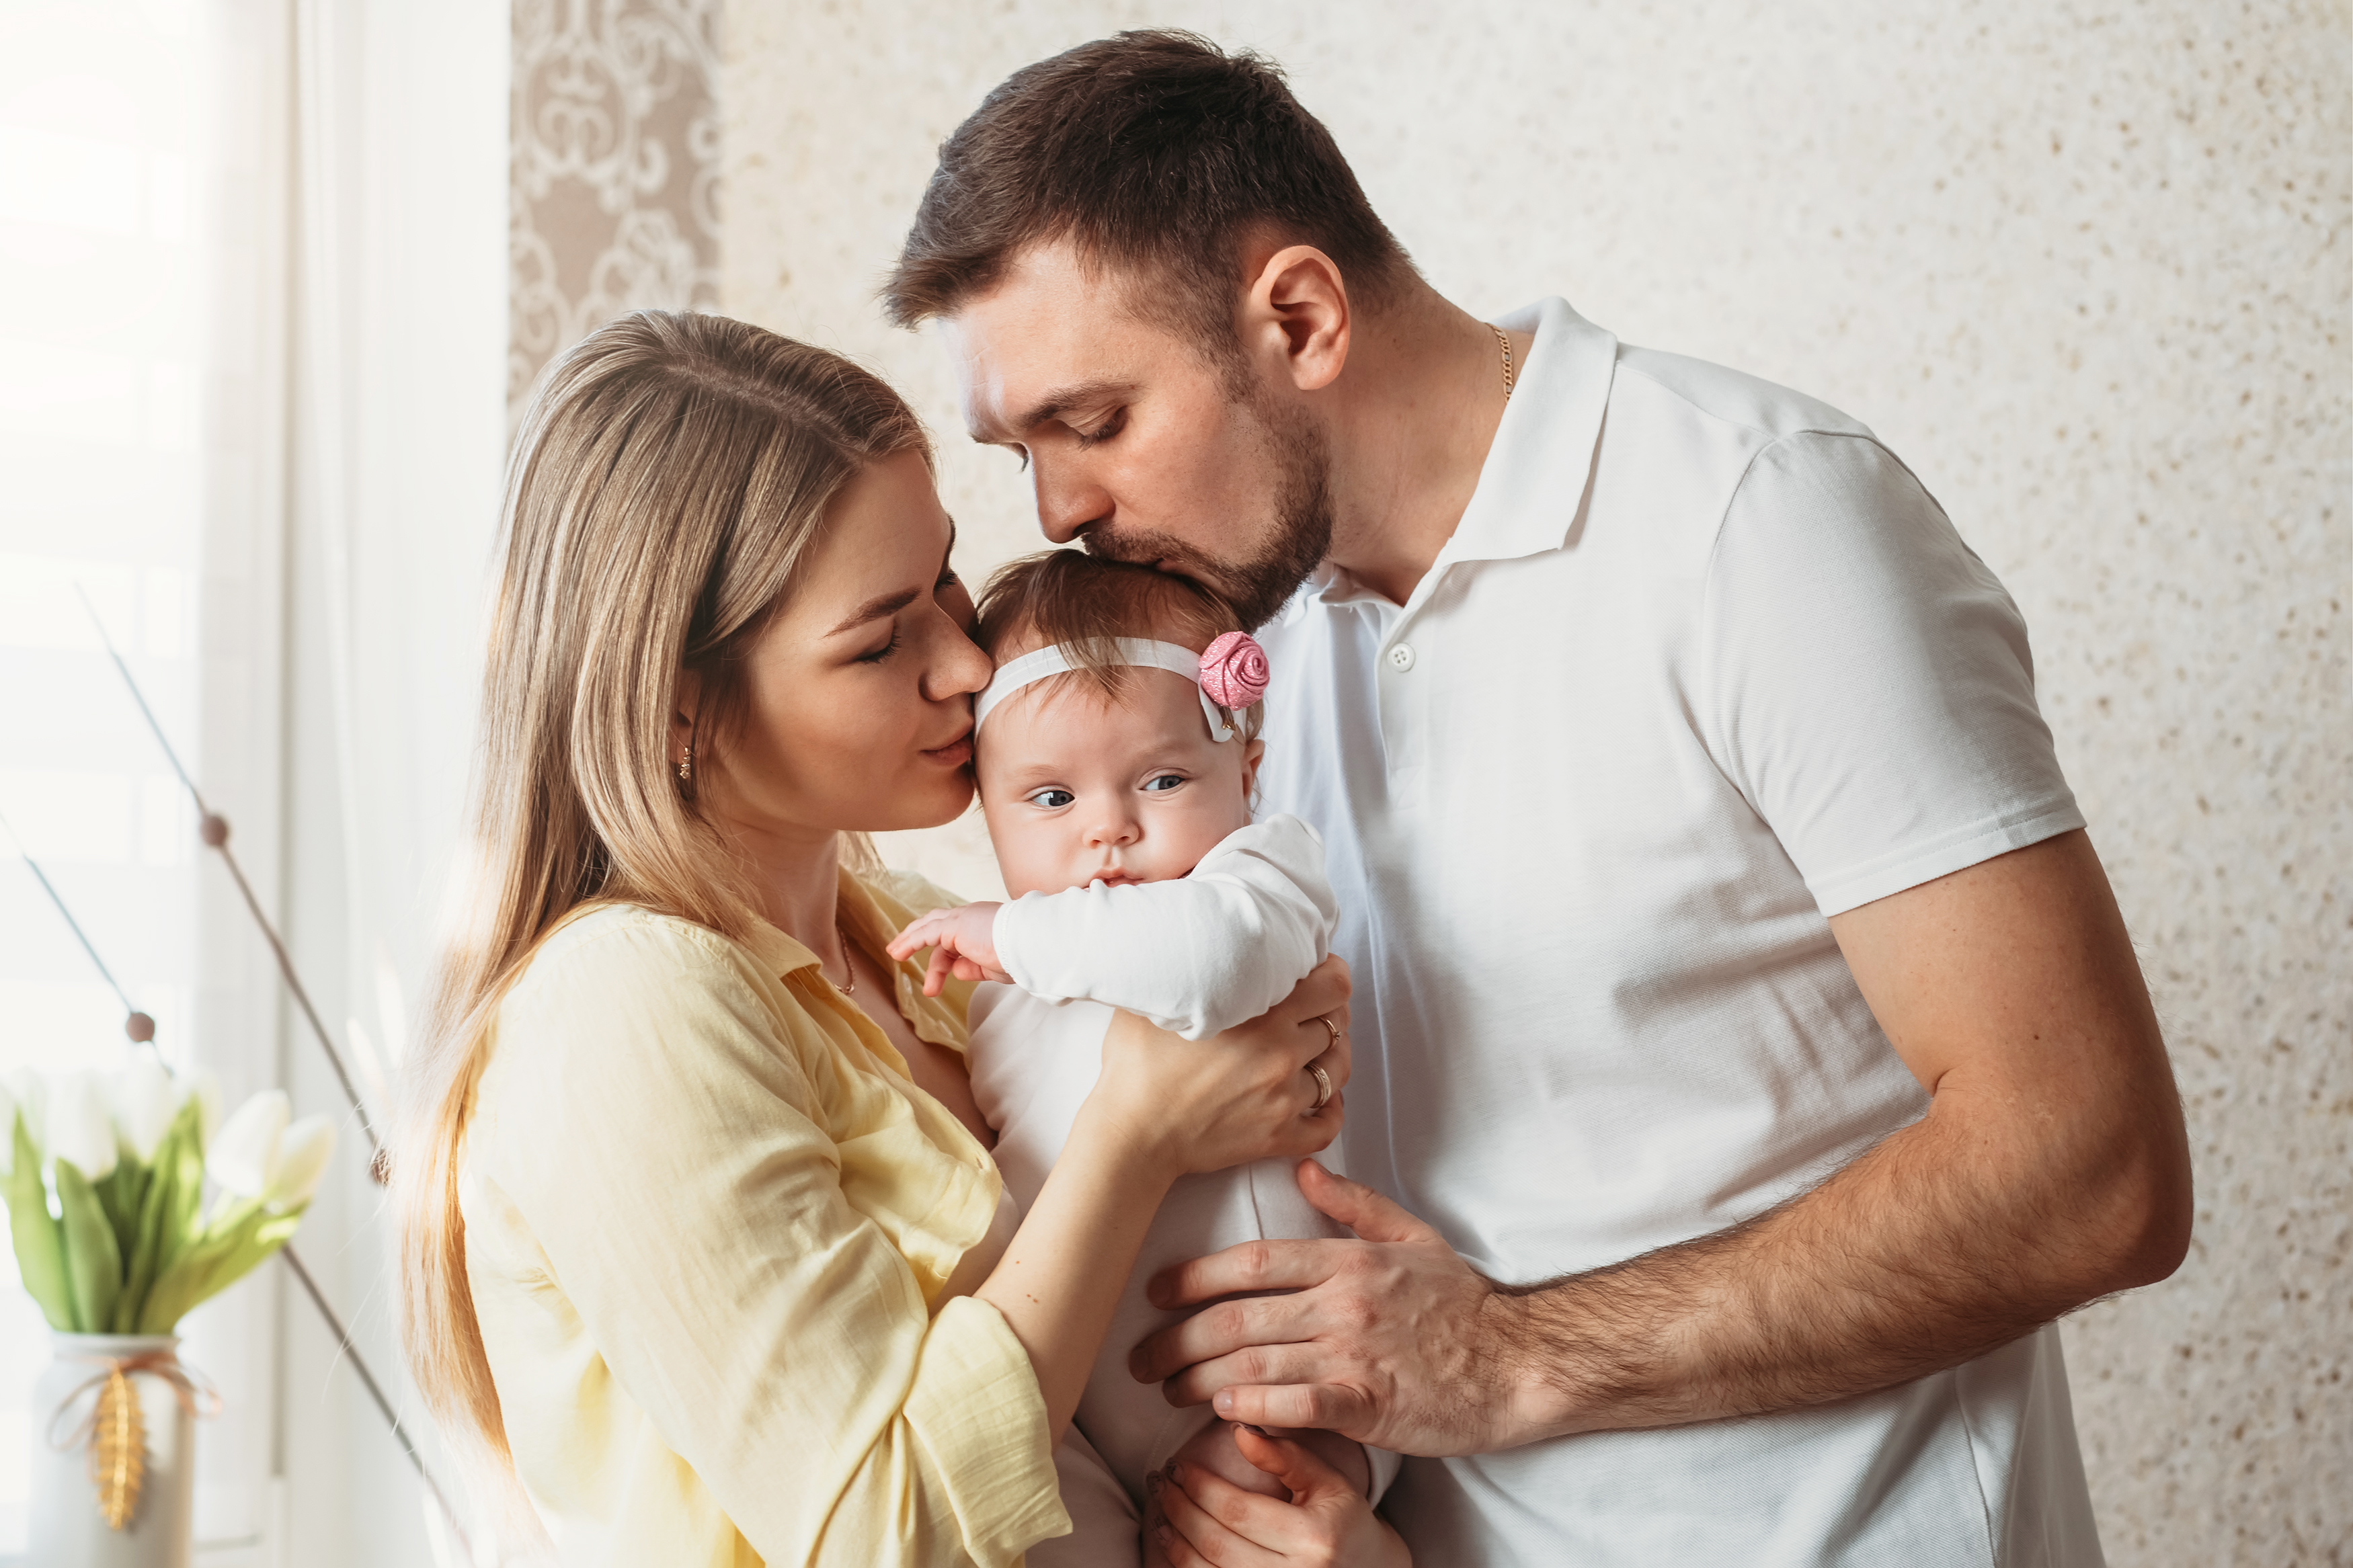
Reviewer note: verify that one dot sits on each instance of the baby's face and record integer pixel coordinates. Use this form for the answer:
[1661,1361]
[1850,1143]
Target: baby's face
[1077,788]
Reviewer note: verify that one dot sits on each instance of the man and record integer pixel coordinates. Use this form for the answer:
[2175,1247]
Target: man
[1740,1007]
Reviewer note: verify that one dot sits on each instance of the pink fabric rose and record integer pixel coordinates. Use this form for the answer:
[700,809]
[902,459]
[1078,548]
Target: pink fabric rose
[1234,671]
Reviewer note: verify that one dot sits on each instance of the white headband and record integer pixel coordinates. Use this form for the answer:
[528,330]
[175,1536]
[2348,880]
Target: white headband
[1139,652]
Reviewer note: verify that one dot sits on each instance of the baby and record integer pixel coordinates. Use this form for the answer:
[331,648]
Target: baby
[1116,763]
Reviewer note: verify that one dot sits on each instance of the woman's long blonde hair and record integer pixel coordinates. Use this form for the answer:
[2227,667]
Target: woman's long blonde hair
[670,474]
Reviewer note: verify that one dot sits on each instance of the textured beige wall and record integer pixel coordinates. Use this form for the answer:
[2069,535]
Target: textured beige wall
[2086,268]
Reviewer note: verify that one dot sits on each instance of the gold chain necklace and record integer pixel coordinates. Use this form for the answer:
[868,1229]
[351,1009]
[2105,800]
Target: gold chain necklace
[1503,341]
[847,965]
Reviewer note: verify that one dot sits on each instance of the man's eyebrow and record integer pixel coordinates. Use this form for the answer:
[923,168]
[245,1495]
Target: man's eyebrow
[874,609]
[1060,401]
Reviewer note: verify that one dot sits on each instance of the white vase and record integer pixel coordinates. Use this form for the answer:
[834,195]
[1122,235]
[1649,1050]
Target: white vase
[68,1529]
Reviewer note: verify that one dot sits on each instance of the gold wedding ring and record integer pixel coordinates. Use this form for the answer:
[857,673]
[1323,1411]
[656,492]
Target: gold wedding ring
[1322,1088]
[1330,1028]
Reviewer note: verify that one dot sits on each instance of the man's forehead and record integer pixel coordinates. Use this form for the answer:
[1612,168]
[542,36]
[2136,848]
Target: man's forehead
[1050,329]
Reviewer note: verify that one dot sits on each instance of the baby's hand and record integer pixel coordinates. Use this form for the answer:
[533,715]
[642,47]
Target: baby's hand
[963,943]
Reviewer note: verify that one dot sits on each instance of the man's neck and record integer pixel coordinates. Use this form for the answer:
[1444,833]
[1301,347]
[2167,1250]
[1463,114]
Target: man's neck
[1419,404]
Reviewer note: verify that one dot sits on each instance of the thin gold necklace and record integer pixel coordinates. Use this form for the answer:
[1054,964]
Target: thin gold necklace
[850,989]
[1504,341]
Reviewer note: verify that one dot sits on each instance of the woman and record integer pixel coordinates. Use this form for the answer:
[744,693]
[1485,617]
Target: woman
[702,1239]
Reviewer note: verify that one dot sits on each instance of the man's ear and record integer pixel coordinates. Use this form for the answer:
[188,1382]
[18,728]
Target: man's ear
[1297,308]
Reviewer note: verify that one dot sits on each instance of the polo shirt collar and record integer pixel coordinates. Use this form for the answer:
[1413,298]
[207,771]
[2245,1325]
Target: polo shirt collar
[1532,484]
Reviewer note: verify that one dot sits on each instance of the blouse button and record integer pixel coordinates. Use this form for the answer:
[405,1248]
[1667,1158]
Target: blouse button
[1402,656]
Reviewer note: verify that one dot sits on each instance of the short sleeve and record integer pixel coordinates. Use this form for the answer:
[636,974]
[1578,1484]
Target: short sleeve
[1864,680]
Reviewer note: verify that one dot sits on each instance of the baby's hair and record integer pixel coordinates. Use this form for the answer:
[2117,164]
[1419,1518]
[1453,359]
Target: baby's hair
[1086,603]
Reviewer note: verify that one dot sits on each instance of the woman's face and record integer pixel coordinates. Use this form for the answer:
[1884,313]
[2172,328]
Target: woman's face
[858,697]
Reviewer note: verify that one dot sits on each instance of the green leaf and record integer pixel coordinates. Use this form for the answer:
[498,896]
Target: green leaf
[237,1241]
[93,1262]
[38,1241]
[119,1194]
[168,1213]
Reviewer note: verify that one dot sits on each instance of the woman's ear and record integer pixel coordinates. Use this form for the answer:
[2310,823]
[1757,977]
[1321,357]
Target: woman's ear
[686,701]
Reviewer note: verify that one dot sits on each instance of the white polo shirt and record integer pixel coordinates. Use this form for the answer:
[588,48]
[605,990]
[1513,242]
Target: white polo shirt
[1702,665]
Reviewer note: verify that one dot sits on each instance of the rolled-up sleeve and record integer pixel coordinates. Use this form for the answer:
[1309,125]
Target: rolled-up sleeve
[662,1136]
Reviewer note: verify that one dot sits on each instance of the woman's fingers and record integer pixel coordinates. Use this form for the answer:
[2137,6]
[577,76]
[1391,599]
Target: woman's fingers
[1324,990]
[1308,1477]
[1219,1522]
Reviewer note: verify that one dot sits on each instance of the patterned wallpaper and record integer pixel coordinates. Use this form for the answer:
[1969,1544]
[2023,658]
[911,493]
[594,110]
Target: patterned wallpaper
[615,169]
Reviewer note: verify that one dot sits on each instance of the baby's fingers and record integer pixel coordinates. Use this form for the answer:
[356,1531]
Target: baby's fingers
[935,978]
[921,933]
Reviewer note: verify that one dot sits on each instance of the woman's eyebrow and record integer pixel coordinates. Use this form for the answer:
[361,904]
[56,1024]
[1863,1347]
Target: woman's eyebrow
[874,609]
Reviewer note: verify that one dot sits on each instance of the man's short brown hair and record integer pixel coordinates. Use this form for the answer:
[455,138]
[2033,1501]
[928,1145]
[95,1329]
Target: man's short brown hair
[1156,152]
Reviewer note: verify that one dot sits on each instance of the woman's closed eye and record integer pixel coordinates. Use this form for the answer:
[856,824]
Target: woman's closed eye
[1051,799]
[878,654]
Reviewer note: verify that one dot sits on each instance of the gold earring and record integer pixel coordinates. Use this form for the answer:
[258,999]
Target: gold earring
[686,764]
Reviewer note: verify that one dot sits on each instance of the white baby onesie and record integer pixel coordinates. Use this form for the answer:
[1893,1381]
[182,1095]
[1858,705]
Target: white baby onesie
[1196,956]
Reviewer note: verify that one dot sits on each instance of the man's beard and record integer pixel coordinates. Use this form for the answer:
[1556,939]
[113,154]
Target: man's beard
[1301,538]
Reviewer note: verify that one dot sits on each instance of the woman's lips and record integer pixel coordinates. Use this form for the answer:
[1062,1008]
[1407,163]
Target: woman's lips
[956,753]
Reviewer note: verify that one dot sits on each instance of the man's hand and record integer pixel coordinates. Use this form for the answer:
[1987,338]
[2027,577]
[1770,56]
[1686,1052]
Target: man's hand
[2051,1169]
[1382,1340]
[963,942]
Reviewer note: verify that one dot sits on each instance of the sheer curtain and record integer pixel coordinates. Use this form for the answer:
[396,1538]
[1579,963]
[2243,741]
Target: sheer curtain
[252,364]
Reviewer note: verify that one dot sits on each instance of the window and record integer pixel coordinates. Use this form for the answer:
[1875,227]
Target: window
[136,387]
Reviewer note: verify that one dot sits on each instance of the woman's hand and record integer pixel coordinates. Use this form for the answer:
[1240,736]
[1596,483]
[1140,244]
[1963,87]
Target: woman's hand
[1244,1095]
[1209,1522]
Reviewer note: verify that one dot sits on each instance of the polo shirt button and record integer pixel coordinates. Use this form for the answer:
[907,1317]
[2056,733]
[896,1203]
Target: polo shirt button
[1402,656]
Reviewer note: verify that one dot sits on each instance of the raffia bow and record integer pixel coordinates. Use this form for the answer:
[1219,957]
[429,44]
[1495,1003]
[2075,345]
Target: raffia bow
[115,1431]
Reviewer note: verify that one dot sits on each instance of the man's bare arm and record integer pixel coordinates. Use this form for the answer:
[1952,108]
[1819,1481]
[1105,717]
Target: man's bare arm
[2051,1169]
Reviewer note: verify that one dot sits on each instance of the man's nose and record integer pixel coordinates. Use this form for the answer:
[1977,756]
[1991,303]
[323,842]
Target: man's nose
[1068,503]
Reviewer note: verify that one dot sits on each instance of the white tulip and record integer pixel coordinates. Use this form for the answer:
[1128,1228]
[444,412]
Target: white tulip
[245,1155]
[203,1088]
[144,1101]
[79,1128]
[303,1156]
[31,1093]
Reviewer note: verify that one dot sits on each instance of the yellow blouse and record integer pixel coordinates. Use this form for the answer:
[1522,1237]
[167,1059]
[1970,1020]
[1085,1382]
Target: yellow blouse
[710,1226]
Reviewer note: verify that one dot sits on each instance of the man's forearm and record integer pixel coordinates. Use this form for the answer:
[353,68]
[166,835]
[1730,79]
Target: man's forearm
[1895,1268]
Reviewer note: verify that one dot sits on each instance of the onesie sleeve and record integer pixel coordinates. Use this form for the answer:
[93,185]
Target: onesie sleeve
[1196,956]
[1865,682]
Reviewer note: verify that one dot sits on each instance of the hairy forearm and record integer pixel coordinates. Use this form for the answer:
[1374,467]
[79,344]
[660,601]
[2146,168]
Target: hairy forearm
[1930,1250]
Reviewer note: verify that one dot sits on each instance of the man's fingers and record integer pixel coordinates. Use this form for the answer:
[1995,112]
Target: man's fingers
[1304,1364]
[1251,1265]
[1328,1405]
[1358,1206]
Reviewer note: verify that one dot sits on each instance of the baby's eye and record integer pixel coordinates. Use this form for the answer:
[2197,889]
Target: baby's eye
[1165,782]
[1052,799]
